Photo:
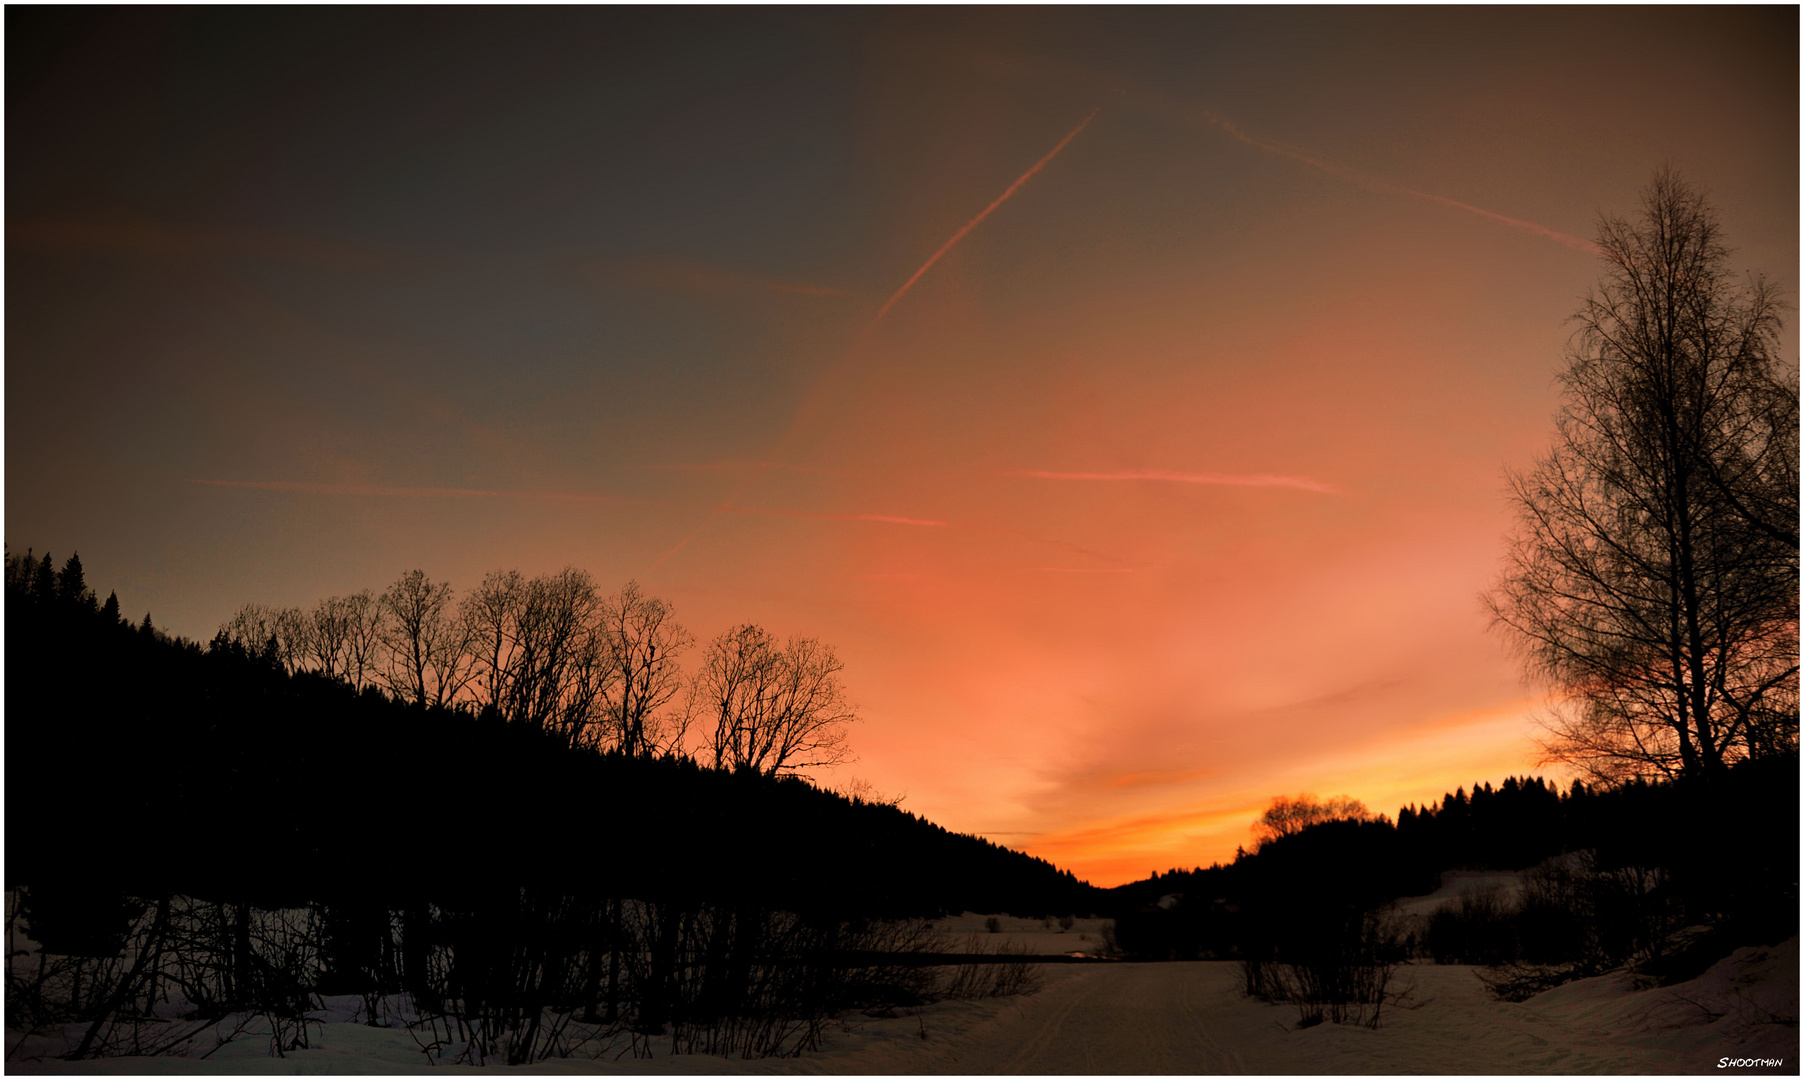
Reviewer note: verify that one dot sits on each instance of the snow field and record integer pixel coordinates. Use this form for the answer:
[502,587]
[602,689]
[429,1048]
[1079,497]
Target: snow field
[1174,1018]
[1031,936]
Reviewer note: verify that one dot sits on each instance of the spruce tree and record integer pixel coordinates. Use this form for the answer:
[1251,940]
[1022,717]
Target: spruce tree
[43,579]
[18,570]
[71,586]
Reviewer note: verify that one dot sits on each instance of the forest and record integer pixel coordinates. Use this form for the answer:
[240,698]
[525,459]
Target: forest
[1669,875]
[218,826]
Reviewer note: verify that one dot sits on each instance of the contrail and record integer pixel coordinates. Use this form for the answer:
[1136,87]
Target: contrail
[887,519]
[797,424]
[403,492]
[974,222]
[1301,483]
[733,466]
[892,519]
[351,489]
[1373,183]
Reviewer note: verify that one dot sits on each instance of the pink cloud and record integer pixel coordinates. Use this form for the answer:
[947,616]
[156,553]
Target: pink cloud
[1301,483]
[887,519]
[302,487]
[732,466]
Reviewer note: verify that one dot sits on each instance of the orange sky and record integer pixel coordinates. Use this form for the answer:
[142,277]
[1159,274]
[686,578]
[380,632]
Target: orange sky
[1169,487]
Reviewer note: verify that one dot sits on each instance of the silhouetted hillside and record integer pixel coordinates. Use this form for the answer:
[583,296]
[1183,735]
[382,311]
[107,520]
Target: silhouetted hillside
[1714,851]
[153,764]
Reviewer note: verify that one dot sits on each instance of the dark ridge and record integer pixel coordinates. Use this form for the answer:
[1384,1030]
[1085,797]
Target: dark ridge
[1720,850]
[149,764]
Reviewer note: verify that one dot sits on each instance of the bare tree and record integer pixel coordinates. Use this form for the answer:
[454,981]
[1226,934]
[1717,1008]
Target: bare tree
[588,677]
[1653,578]
[363,614]
[540,652]
[327,637]
[427,659]
[774,709]
[258,627]
[340,636]
[737,688]
[559,675]
[491,615]
[640,641]
[1287,816]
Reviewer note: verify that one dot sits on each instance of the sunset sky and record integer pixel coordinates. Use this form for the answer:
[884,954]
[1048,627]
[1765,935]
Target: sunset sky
[1168,486]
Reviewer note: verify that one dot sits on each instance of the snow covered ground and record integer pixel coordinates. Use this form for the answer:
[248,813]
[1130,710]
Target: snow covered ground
[1191,1018]
[1037,937]
[1457,883]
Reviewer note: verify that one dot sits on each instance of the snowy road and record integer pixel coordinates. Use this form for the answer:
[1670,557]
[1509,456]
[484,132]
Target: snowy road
[1105,1019]
[1191,1018]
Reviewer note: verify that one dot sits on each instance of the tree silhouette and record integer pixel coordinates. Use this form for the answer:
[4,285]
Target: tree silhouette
[282,633]
[491,614]
[641,641]
[539,650]
[43,579]
[428,662]
[1287,816]
[774,710]
[71,586]
[1653,578]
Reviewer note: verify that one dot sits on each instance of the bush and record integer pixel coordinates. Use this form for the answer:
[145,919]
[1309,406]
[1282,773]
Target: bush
[1478,927]
[1347,980]
[1572,919]
[512,976]
[1010,975]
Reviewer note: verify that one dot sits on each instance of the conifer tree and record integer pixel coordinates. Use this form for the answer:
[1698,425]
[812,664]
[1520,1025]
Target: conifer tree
[71,586]
[43,579]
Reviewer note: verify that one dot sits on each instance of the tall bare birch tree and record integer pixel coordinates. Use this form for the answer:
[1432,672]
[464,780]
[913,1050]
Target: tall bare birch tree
[641,642]
[1652,580]
[426,647]
[774,709]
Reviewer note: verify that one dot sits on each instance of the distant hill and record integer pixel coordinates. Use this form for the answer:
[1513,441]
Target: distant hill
[150,763]
[1721,852]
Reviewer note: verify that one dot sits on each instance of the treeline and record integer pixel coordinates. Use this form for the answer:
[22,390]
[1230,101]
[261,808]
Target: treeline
[593,670]
[556,654]
[1622,870]
[292,778]
[161,793]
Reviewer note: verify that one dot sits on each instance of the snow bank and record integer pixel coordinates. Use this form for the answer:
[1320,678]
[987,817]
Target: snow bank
[1032,936]
[1457,883]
